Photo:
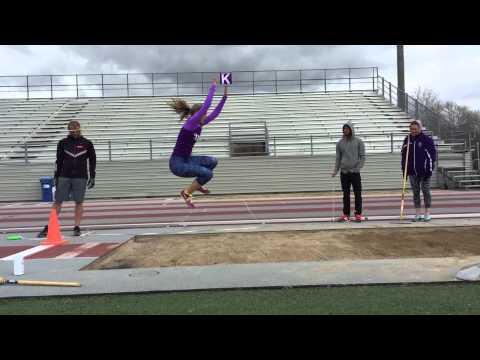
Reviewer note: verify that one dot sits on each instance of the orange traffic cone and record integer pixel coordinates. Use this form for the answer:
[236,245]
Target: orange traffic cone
[54,235]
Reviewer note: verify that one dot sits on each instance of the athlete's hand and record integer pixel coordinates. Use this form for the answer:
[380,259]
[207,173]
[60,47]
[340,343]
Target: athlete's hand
[90,183]
[333,174]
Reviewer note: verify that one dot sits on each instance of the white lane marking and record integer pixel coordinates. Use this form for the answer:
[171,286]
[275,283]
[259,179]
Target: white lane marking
[27,252]
[241,222]
[113,234]
[167,201]
[6,206]
[238,229]
[77,251]
[33,239]
[20,205]
[250,211]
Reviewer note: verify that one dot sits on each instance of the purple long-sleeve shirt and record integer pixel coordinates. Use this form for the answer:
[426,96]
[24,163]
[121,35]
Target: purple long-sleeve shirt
[192,128]
[422,155]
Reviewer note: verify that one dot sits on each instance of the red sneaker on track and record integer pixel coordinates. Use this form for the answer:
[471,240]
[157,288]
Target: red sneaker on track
[187,198]
[359,218]
[204,190]
[343,218]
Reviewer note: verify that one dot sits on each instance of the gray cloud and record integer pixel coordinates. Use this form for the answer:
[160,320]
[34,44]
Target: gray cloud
[216,58]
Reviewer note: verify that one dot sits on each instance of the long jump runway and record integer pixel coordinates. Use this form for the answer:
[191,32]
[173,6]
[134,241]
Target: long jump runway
[133,213]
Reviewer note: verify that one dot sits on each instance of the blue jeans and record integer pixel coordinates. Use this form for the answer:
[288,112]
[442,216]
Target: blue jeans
[194,166]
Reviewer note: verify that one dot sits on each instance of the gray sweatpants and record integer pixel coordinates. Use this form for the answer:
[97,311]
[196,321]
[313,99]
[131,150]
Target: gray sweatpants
[418,183]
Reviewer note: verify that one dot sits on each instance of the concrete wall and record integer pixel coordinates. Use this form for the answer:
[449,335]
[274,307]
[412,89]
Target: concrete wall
[119,179]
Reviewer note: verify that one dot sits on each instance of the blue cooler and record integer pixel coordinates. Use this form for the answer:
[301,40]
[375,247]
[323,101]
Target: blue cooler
[47,188]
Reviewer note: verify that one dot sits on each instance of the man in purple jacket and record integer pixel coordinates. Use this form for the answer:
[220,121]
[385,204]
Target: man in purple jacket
[182,163]
[421,163]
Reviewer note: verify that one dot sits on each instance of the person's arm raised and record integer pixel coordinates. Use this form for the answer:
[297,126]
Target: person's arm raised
[194,121]
[218,109]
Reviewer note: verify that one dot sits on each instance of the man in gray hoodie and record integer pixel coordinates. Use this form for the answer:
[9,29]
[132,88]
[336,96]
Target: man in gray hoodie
[350,159]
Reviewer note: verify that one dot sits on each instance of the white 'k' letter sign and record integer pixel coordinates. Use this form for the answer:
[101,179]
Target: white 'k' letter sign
[226,78]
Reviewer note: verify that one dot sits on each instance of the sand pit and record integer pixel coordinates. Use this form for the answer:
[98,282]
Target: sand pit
[279,246]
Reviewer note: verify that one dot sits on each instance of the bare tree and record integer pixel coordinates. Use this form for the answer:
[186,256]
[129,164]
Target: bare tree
[450,121]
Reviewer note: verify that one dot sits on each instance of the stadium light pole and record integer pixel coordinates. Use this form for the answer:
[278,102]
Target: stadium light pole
[400,78]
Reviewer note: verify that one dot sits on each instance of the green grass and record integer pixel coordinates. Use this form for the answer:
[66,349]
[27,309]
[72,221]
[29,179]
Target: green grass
[462,298]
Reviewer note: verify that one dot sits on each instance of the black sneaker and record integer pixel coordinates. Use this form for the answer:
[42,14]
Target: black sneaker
[76,231]
[43,233]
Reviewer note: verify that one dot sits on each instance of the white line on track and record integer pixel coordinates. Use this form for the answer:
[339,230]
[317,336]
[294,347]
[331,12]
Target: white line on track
[242,222]
[167,201]
[6,206]
[111,234]
[238,229]
[77,251]
[250,211]
[27,252]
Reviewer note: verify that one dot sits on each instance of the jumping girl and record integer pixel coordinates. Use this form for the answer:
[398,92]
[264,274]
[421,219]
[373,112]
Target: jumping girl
[182,163]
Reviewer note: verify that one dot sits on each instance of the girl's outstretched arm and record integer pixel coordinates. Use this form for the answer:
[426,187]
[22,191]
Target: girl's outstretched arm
[194,121]
[215,112]
[218,109]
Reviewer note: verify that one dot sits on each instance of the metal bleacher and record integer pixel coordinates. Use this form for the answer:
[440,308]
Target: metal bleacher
[20,119]
[132,128]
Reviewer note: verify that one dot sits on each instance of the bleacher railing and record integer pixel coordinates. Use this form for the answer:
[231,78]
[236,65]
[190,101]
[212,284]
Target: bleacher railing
[186,83]
[161,147]
[415,109]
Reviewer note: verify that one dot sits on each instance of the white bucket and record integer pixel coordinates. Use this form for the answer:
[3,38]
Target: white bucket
[18,266]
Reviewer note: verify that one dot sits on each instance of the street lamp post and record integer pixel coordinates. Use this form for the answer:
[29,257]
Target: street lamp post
[400,78]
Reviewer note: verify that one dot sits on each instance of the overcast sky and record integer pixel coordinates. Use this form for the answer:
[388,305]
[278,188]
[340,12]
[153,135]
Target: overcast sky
[452,72]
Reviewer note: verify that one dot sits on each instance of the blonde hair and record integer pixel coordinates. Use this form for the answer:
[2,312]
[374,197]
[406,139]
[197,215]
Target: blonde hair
[182,108]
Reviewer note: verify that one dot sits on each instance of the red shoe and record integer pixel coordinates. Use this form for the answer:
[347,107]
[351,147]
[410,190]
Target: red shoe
[359,218]
[204,190]
[343,218]
[187,198]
